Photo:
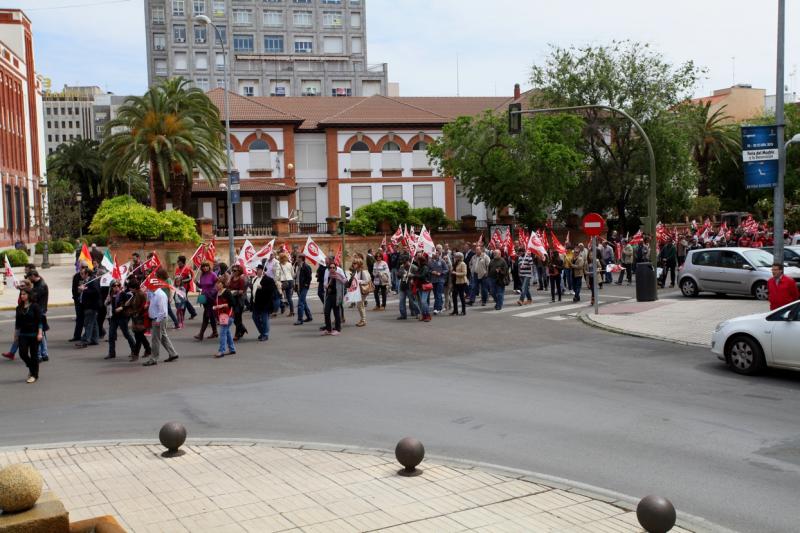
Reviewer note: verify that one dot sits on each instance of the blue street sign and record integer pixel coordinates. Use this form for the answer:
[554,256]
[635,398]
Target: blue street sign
[760,156]
[235,194]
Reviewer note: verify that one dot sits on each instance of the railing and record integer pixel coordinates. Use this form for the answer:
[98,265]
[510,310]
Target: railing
[308,228]
[482,224]
[245,230]
[450,225]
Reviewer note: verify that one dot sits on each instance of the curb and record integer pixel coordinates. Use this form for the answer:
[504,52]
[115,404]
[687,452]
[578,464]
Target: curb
[589,321]
[49,306]
[624,501]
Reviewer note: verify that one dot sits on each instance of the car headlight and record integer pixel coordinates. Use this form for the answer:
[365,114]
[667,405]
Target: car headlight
[720,326]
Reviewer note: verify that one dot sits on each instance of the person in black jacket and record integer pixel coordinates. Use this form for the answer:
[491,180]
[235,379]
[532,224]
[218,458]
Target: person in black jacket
[264,293]
[77,279]
[303,284]
[28,332]
[116,300]
[41,295]
[90,302]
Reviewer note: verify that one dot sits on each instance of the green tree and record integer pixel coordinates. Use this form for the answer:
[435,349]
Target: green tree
[712,139]
[529,171]
[63,211]
[80,163]
[172,130]
[632,77]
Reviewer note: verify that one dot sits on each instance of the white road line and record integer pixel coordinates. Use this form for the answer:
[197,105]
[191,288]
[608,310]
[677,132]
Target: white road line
[559,317]
[556,309]
[510,308]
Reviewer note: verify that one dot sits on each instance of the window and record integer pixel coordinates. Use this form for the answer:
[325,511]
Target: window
[273,18]
[248,87]
[273,44]
[391,156]
[259,155]
[310,154]
[201,61]
[341,88]
[311,87]
[48,123]
[159,41]
[262,210]
[157,15]
[393,193]
[279,87]
[303,46]
[219,61]
[335,2]
[423,196]
[302,18]
[179,33]
[220,83]
[48,111]
[199,7]
[355,45]
[57,137]
[332,19]
[361,196]
[419,156]
[77,124]
[69,111]
[200,34]
[333,45]
[242,17]
[355,20]
[308,204]
[178,8]
[64,124]
[706,258]
[70,124]
[49,137]
[218,8]
[360,157]
[221,35]
[161,67]
[180,61]
[731,260]
[243,43]
[463,205]
[302,1]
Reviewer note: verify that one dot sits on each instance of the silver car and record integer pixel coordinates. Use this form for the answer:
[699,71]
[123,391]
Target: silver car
[729,271]
[791,254]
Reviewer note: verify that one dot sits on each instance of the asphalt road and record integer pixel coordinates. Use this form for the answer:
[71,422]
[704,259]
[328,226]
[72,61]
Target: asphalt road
[543,393]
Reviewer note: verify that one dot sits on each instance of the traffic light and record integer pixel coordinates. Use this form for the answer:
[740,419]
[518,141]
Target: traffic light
[515,118]
[344,213]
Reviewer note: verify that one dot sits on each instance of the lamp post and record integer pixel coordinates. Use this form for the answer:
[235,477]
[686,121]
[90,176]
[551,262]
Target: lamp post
[777,217]
[204,20]
[45,225]
[78,198]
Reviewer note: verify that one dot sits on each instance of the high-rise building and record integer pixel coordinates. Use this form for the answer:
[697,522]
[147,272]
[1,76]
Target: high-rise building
[275,47]
[22,162]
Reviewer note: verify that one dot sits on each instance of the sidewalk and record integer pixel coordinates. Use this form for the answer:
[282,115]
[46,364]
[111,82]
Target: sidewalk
[682,320]
[251,486]
[58,279]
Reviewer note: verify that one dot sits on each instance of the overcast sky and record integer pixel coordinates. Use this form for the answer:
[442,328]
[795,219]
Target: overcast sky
[96,42]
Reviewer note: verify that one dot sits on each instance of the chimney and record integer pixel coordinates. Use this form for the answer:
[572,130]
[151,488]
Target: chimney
[516,91]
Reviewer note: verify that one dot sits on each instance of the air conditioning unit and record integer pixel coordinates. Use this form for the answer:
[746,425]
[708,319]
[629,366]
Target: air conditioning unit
[311,91]
[180,39]
[200,41]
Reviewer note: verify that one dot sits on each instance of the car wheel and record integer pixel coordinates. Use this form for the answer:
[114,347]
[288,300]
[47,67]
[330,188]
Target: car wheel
[688,287]
[744,355]
[761,291]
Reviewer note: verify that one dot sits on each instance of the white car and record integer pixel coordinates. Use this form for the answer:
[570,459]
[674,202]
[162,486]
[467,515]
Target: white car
[749,343]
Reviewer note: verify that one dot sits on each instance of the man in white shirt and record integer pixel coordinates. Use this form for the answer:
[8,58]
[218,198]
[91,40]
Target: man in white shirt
[158,314]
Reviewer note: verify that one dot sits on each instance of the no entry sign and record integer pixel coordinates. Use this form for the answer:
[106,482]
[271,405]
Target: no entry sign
[593,224]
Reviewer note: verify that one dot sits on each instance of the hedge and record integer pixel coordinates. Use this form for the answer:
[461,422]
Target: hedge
[128,218]
[17,258]
[367,218]
[56,247]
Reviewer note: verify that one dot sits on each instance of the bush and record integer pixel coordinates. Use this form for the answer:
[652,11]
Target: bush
[432,217]
[17,258]
[99,240]
[56,247]
[704,207]
[366,219]
[128,218]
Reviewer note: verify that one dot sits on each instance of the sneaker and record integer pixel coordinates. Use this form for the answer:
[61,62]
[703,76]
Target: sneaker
[326,332]
[8,355]
[30,379]
[402,318]
[435,312]
[298,323]
[110,357]
[361,324]
[334,333]
[173,358]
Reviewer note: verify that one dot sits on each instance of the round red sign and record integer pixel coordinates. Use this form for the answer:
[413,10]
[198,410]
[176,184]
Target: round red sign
[593,224]
[313,249]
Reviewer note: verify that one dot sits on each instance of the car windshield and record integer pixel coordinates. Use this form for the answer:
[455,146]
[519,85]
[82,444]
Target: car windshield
[759,258]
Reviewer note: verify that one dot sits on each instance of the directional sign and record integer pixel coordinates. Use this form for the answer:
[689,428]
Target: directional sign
[235,187]
[593,224]
[760,156]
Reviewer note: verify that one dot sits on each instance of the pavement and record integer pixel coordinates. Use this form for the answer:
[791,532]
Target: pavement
[260,487]
[676,319]
[58,279]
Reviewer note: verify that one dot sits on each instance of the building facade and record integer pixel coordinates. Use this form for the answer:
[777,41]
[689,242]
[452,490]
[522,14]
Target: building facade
[275,47]
[741,102]
[22,160]
[303,158]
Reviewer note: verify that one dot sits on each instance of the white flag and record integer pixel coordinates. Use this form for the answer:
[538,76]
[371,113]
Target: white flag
[353,295]
[313,253]
[265,251]
[425,242]
[246,255]
[10,274]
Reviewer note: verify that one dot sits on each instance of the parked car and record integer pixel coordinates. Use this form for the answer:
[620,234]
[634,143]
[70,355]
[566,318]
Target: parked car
[749,343]
[743,271]
[791,254]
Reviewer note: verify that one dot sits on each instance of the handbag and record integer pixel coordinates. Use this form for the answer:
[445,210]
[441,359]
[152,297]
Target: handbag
[224,319]
[427,286]
[201,300]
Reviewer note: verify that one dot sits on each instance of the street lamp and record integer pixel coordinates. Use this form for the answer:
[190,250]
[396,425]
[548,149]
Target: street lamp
[204,20]
[78,198]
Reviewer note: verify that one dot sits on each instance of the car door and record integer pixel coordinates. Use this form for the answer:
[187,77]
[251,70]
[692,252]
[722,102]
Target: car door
[735,273]
[786,337]
[705,267]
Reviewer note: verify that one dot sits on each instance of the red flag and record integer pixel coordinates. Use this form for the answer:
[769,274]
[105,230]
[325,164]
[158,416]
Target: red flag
[337,259]
[497,241]
[480,239]
[284,248]
[197,256]
[544,239]
[637,239]
[556,244]
[116,273]
[152,283]
[153,263]
[398,235]
[211,250]
[508,244]
[535,245]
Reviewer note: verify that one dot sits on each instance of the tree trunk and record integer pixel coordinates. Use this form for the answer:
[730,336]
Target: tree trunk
[702,182]
[177,184]
[186,201]
[159,194]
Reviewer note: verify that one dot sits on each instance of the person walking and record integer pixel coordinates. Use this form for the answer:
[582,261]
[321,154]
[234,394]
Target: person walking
[782,289]
[334,282]
[184,277]
[359,272]
[567,271]
[479,266]
[90,303]
[554,267]
[118,318]
[439,273]
[303,277]
[498,270]
[237,287]
[594,268]
[136,309]
[459,283]
[422,286]
[207,282]
[157,311]
[41,295]
[284,276]
[404,289]
[525,272]
[627,262]
[264,290]
[381,279]
[578,271]
[224,307]
[28,332]
[668,257]
[608,259]
[77,280]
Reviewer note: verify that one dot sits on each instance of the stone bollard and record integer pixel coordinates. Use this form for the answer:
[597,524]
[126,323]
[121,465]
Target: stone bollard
[20,487]
[172,436]
[409,453]
[656,514]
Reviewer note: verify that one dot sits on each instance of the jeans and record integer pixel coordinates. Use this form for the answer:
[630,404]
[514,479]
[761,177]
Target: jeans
[302,305]
[567,278]
[43,347]
[438,293]
[190,308]
[405,294]
[121,323]
[29,353]
[395,280]
[628,270]
[287,293]
[171,314]
[261,320]
[225,338]
[490,287]
[525,290]
[576,286]
[380,295]
[479,284]
[423,302]
[555,287]
[459,291]
[609,276]
[91,334]
[158,334]
[499,294]
[78,321]
[332,307]
[541,277]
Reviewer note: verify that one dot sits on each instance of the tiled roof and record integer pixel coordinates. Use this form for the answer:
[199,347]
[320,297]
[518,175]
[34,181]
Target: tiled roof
[456,106]
[246,185]
[247,109]
[313,109]
[384,110]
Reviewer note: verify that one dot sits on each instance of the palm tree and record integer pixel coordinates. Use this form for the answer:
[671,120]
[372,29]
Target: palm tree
[173,130]
[712,139]
[80,163]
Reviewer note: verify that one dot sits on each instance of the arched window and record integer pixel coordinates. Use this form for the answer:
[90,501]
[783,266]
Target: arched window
[391,147]
[360,146]
[259,155]
[419,157]
[420,146]
[391,156]
[360,157]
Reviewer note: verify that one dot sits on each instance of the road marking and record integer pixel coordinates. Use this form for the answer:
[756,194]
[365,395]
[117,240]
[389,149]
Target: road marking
[54,317]
[559,317]
[549,310]
[511,308]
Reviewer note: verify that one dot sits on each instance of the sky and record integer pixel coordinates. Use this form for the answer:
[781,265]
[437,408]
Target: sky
[449,47]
